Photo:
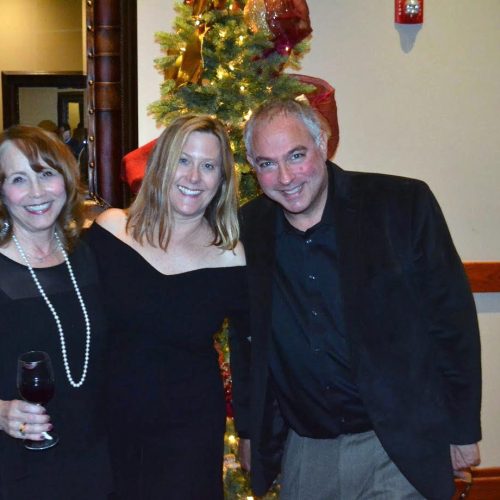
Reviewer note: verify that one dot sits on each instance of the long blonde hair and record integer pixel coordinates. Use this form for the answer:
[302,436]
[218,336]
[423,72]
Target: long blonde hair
[150,215]
[36,144]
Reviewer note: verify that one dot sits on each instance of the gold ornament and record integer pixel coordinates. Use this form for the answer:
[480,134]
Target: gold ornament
[201,6]
[192,61]
[188,66]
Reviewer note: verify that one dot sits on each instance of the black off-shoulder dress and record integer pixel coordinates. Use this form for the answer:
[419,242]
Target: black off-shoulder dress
[166,399]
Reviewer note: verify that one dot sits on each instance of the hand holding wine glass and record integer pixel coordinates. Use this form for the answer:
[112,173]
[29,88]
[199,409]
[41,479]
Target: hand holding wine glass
[35,382]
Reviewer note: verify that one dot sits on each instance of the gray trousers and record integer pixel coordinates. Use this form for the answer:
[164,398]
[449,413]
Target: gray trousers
[349,467]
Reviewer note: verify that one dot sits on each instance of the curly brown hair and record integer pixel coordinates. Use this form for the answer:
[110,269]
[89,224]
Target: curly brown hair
[37,144]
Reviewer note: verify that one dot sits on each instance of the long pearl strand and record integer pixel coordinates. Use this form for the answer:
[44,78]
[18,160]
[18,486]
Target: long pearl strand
[56,316]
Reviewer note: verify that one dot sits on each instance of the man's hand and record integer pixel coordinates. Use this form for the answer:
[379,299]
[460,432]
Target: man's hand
[464,456]
[244,453]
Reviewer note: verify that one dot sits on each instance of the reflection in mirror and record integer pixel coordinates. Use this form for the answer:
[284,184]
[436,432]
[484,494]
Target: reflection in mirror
[38,104]
[53,101]
[70,106]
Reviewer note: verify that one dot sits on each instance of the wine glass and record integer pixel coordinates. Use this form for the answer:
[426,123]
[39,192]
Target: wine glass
[35,383]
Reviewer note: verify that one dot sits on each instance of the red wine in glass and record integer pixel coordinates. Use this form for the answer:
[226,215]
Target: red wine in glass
[40,392]
[35,382]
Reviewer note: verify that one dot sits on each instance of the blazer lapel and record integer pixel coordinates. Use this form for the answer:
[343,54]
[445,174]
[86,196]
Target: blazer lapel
[346,216]
[347,210]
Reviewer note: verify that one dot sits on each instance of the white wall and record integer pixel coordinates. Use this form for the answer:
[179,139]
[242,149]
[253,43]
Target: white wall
[152,16]
[426,110]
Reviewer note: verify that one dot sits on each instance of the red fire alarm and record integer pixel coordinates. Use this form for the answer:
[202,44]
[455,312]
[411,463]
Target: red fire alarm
[409,11]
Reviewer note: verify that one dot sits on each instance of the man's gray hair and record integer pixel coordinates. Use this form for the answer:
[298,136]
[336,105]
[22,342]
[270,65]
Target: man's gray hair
[312,119]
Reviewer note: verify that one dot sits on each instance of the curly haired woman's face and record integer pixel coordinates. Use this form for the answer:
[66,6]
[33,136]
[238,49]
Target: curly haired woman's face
[34,199]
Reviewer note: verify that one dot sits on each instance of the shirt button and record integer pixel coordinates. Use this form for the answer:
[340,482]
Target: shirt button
[312,277]
[314,313]
[309,241]
[327,387]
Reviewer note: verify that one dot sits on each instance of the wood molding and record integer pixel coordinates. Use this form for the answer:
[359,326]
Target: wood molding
[483,276]
[484,484]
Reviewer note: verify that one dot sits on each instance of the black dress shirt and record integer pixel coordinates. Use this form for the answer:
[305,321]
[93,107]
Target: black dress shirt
[309,357]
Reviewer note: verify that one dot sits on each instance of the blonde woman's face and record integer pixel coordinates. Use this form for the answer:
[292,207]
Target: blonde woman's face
[198,176]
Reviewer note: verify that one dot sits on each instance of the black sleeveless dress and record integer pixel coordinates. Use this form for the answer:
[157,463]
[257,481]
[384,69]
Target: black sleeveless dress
[166,399]
[77,468]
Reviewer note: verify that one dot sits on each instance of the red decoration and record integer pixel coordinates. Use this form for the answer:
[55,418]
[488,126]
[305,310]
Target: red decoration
[289,22]
[134,166]
[225,371]
[323,99]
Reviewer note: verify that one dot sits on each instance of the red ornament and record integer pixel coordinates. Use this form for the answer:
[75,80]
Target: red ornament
[289,22]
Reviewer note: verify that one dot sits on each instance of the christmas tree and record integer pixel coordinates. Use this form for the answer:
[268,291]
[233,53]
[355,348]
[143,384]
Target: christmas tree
[224,60]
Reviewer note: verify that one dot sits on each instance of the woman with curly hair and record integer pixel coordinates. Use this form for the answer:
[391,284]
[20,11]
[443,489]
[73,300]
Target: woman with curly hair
[49,301]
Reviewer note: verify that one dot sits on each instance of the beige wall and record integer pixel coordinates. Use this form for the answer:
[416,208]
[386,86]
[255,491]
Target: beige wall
[40,35]
[429,112]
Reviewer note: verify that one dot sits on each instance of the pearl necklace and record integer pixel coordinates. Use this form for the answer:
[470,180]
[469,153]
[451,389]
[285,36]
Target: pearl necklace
[56,316]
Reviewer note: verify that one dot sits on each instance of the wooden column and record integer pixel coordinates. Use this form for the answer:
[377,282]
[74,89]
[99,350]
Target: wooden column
[111,70]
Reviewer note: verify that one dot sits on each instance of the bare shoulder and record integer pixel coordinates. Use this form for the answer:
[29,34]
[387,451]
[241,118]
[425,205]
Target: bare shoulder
[239,252]
[114,220]
[235,257]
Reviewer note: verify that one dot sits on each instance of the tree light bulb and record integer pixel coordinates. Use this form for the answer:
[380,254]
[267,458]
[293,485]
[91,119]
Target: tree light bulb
[221,73]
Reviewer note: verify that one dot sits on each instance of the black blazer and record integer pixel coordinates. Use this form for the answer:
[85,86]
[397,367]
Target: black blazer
[410,318]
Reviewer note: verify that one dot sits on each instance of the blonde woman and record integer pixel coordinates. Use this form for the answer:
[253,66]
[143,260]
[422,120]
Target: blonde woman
[172,269]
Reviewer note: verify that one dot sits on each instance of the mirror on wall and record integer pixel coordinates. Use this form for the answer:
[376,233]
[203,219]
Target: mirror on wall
[43,68]
[44,98]
[53,101]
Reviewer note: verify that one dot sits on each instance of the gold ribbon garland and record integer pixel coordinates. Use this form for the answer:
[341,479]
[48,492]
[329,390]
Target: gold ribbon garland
[188,67]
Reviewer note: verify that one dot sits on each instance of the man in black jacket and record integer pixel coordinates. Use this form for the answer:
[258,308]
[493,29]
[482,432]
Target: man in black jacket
[365,364]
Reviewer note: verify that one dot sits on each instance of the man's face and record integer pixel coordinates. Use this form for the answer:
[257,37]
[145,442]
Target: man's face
[291,169]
